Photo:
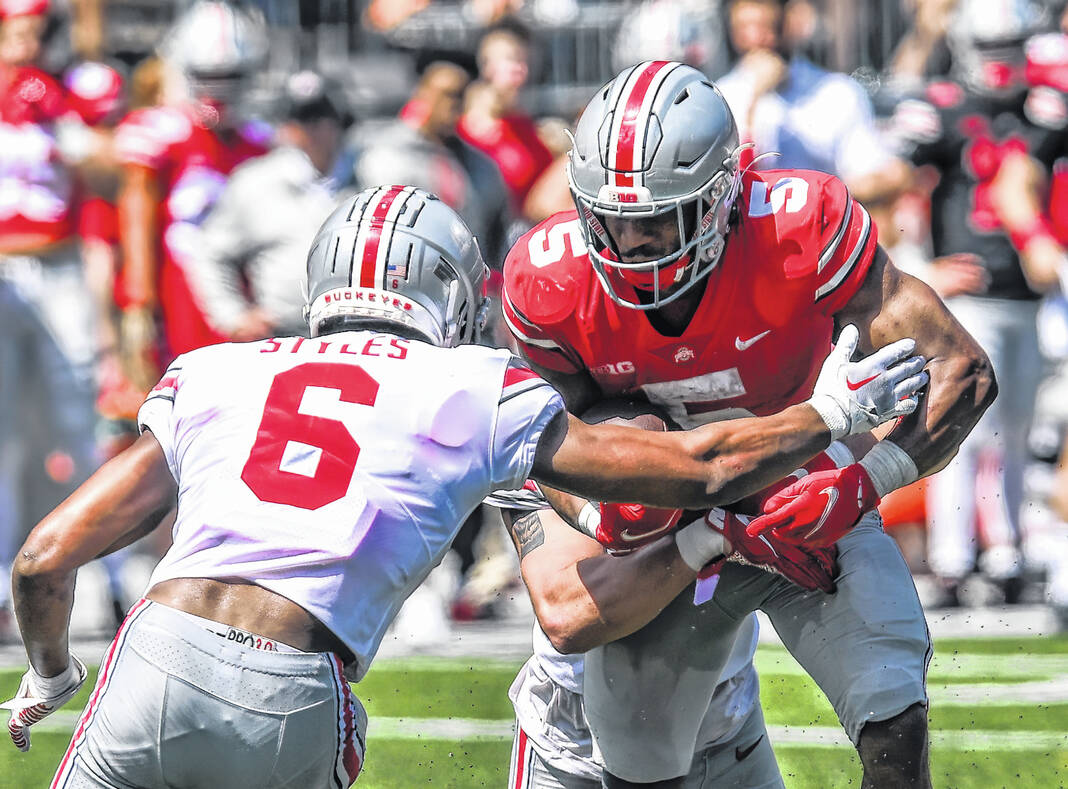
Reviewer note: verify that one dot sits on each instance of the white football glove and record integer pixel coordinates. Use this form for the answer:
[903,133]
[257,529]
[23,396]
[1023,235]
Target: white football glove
[854,397]
[38,697]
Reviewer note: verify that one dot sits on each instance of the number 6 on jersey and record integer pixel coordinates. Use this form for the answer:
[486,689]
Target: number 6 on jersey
[283,425]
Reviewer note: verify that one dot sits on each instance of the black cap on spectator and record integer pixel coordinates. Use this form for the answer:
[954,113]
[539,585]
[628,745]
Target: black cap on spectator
[308,96]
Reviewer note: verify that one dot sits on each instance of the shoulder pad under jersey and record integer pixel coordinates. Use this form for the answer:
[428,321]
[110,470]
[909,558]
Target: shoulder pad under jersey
[814,227]
[546,268]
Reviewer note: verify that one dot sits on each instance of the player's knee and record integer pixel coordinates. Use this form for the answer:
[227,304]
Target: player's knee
[894,751]
[609,781]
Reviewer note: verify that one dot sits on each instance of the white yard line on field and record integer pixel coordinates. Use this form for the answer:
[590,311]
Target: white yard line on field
[944,666]
[459,729]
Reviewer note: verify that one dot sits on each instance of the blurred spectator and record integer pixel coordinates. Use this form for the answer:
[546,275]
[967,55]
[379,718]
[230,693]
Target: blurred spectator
[991,142]
[257,236]
[46,322]
[421,148]
[97,98]
[923,53]
[176,159]
[785,103]
[496,125]
[689,31]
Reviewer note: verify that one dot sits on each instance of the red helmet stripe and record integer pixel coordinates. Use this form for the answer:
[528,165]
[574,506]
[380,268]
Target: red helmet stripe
[375,233]
[635,116]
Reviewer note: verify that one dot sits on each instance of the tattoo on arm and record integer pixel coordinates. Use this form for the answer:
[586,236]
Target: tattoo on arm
[528,533]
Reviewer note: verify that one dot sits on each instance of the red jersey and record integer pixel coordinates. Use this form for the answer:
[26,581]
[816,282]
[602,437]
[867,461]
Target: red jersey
[798,252]
[35,186]
[512,143]
[192,163]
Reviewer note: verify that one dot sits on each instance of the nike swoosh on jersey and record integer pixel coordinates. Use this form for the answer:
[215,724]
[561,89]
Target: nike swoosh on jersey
[742,345]
[626,536]
[832,498]
[741,753]
[855,386]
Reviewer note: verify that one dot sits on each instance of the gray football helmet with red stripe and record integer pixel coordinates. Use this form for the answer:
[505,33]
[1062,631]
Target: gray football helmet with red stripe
[216,46]
[658,138]
[397,256]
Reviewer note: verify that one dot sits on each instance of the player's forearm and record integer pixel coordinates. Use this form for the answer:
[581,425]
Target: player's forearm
[604,598]
[705,467]
[138,220]
[43,603]
[747,455]
[962,388]
[133,489]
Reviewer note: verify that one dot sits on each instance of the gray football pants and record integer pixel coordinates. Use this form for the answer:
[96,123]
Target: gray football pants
[745,760]
[177,707]
[866,646]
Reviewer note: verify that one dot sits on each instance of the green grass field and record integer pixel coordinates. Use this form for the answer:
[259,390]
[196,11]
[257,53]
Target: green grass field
[999,718]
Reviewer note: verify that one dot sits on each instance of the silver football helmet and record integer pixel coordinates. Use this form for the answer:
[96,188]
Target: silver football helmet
[659,138]
[397,255]
[216,46]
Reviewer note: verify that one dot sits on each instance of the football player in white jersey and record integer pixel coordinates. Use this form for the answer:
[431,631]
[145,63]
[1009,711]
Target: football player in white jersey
[317,481]
[585,597]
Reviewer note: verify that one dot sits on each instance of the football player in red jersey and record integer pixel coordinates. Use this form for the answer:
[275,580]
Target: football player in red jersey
[175,162]
[283,575]
[714,293]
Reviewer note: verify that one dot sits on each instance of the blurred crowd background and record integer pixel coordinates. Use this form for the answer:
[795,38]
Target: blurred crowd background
[165,164]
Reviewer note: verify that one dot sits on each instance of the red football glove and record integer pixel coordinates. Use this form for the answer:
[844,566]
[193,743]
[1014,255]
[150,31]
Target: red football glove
[626,527]
[818,509]
[809,568]
[754,504]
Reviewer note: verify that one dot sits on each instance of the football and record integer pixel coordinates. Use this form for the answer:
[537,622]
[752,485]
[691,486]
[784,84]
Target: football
[628,411]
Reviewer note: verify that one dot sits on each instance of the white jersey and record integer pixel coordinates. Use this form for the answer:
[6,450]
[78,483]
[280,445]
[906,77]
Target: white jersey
[336,471]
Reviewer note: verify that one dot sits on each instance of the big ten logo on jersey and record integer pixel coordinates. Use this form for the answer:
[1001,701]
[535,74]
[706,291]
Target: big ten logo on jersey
[379,345]
[788,193]
[613,368]
[695,401]
[547,246]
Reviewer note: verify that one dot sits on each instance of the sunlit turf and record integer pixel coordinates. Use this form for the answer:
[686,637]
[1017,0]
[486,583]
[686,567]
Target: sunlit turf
[457,690]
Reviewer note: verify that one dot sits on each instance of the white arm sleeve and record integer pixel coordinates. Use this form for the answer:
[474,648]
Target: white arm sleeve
[528,403]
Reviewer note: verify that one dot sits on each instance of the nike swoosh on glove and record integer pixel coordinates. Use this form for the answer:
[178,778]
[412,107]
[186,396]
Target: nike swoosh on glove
[627,527]
[809,568]
[817,510]
[855,397]
[30,705]
[754,504]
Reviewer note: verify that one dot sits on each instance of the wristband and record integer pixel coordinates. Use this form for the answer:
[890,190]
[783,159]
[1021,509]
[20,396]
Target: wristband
[698,544]
[840,454]
[50,687]
[889,467]
[589,518]
[832,413]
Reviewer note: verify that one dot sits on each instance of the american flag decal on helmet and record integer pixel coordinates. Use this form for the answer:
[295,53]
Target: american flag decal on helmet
[630,121]
[375,236]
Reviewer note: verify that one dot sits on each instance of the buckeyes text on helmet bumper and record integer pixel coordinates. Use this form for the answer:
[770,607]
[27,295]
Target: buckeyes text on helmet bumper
[398,255]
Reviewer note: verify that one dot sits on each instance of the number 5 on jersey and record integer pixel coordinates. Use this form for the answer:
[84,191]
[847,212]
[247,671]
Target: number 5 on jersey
[283,429]
[787,193]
